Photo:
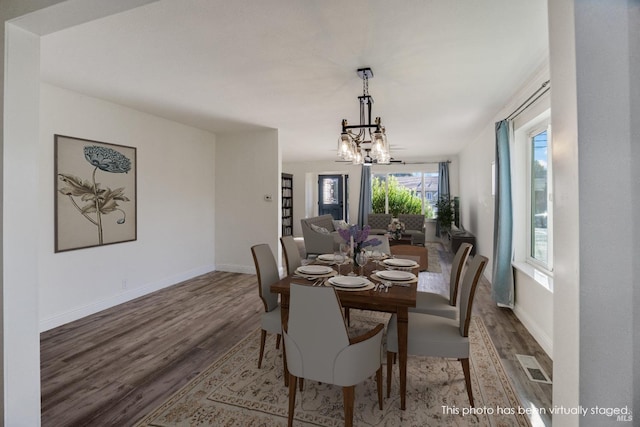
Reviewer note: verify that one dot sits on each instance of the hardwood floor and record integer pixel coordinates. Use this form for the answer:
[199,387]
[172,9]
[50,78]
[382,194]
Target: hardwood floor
[112,368]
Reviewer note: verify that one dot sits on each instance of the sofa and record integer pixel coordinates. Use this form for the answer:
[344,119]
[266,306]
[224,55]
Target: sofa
[320,235]
[414,225]
[379,223]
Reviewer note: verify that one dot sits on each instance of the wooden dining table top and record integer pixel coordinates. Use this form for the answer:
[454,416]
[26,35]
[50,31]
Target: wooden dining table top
[404,296]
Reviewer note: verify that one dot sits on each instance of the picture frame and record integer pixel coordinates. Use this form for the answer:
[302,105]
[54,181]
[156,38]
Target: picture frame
[95,191]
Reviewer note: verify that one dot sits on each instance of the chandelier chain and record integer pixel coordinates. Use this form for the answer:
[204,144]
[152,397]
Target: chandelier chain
[365,85]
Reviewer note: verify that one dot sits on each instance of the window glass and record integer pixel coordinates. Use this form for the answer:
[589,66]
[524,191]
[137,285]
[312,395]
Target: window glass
[404,193]
[539,190]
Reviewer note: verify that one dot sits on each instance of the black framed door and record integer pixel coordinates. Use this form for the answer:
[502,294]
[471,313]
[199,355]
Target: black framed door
[332,196]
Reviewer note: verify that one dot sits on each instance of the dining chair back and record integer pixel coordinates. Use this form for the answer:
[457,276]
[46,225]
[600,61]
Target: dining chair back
[436,336]
[383,247]
[318,347]
[438,304]
[457,266]
[468,291]
[267,273]
[291,253]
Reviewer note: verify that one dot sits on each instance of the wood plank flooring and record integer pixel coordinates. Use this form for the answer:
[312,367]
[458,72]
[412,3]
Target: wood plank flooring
[112,368]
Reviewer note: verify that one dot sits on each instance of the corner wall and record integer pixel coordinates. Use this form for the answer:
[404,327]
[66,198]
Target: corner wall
[247,169]
[595,74]
[533,304]
[175,223]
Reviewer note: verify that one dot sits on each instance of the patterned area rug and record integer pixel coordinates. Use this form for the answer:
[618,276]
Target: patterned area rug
[234,392]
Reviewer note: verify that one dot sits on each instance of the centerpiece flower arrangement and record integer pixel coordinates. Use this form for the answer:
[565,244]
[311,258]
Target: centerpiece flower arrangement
[396,228]
[357,238]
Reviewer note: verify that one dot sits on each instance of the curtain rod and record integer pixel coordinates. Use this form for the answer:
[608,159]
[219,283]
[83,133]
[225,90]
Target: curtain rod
[544,88]
[419,163]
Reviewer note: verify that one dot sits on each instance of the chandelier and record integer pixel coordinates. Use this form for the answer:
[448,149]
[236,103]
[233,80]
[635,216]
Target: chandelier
[364,143]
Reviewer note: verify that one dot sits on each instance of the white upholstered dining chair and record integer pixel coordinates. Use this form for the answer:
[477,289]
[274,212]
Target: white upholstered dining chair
[291,254]
[440,305]
[436,336]
[318,348]
[267,272]
[382,247]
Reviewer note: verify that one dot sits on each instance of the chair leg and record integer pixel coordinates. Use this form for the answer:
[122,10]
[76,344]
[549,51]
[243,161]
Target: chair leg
[285,371]
[467,379]
[379,386]
[349,395]
[278,338]
[347,316]
[292,398]
[390,357]
[263,338]
[301,381]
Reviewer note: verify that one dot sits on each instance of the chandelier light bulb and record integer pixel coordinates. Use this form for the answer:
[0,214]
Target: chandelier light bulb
[357,158]
[344,145]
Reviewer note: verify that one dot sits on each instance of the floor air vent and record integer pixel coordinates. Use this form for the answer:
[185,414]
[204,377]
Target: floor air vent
[533,369]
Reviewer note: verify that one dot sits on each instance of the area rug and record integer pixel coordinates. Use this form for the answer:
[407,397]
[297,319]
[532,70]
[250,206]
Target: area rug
[234,392]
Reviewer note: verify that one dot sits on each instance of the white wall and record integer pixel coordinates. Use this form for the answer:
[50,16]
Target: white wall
[247,169]
[305,184]
[175,224]
[20,234]
[595,72]
[533,303]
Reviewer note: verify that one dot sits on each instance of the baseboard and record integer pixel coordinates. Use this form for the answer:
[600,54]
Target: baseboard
[235,268]
[538,334]
[105,303]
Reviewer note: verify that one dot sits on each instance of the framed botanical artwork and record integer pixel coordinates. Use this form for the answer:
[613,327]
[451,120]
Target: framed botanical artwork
[95,193]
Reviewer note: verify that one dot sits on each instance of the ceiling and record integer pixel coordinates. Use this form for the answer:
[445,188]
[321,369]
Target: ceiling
[442,68]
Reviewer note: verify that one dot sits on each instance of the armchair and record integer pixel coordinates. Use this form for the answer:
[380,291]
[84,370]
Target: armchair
[378,223]
[317,241]
[318,348]
[414,226]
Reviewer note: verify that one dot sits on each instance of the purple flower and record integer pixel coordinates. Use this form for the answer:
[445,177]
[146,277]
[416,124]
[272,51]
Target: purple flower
[359,236]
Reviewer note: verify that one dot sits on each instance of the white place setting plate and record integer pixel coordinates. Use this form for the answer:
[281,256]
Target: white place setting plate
[348,281]
[314,270]
[399,262]
[326,257]
[351,283]
[396,275]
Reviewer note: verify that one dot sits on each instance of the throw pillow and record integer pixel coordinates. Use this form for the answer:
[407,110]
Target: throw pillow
[340,224]
[319,229]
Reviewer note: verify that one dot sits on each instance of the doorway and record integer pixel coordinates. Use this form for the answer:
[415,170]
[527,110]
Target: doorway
[333,196]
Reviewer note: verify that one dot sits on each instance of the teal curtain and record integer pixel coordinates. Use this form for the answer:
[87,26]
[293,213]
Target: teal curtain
[364,204]
[502,286]
[443,186]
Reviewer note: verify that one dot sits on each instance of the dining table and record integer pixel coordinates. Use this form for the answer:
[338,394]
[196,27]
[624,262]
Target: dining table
[394,299]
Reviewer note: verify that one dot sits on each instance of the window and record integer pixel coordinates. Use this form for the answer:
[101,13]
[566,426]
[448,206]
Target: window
[539,201]
[405,193]
[532,194]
